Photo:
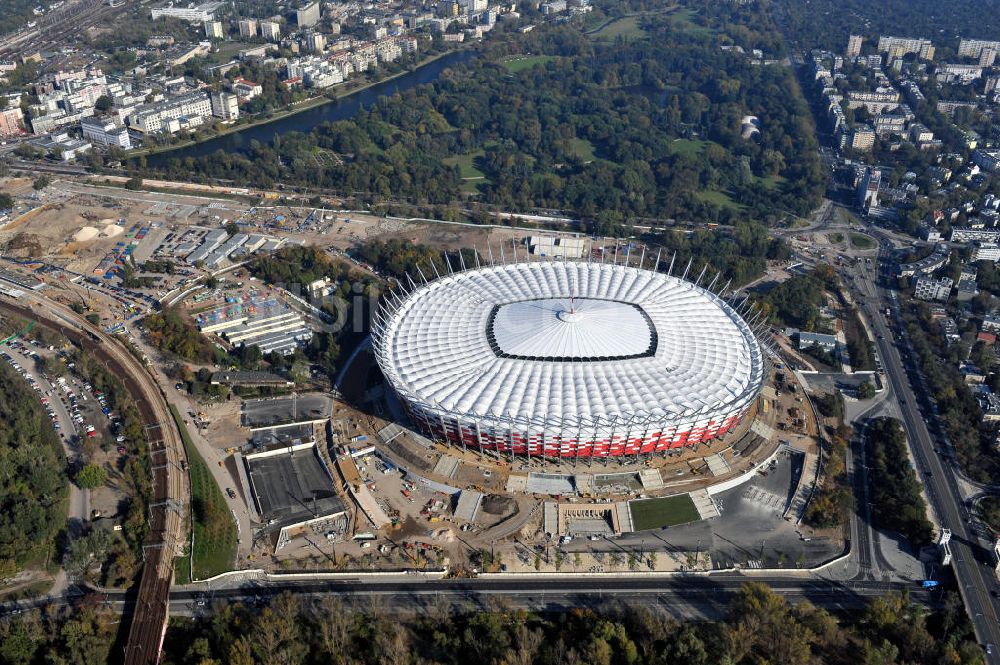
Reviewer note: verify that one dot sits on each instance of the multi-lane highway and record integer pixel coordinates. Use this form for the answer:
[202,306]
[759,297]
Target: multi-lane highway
[971,566]
[691,597]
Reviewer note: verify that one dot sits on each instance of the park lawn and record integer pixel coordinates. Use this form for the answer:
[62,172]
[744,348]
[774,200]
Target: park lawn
[627,27]
[214,529]
[519,64]
[719,198]
[583,149]
[861,241]
[835,238]
[472,186]
[684,20]
[658,513]
[466,164]
[688,146]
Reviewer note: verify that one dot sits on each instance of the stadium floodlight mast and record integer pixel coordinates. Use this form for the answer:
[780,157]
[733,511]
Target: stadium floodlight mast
[686,268]
[697,282]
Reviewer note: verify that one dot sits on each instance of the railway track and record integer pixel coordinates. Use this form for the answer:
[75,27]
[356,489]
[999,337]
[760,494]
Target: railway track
[165,538]
[57,29]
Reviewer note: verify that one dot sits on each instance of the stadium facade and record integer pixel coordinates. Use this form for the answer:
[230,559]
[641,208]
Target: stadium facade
[568,359]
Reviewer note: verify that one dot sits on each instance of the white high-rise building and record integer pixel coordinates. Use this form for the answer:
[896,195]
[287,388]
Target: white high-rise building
[868,189]
[248,27]
[315,41]
[213,30]
[270,30]
[854,43]
[973,48]
[225,105]
[307,16]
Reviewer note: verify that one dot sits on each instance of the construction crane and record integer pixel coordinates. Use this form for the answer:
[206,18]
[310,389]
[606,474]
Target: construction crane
[86,301]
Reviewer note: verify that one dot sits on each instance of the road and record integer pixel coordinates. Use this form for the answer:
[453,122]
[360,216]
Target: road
[970,564]
[690,597]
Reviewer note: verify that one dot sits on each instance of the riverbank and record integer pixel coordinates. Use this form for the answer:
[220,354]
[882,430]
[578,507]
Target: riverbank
[301,107]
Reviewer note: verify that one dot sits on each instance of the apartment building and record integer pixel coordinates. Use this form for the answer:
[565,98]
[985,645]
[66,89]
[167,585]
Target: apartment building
[101,131]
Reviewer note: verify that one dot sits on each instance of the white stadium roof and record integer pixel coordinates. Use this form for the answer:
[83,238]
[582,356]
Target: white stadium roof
[568,341]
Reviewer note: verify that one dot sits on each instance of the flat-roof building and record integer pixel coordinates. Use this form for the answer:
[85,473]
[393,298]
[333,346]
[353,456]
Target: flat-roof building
[307,16]
[198,13]
[825,342]
[104,132]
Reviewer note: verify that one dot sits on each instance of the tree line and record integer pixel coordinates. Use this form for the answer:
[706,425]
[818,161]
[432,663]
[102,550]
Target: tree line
[759,627]
[897,504]
[662,117]
[33,481]
[958,411]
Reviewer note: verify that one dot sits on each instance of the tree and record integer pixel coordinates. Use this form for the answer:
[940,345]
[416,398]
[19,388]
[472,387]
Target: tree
[134,183]
[6,201]
[104,104]
[32,481]
[232,228]
[866,390]
[41,182]
[91,476]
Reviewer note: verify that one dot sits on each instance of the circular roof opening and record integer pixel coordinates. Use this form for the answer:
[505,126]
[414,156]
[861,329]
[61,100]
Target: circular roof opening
[571,330]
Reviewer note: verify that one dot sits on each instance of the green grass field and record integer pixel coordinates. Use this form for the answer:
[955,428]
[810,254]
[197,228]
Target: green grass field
[688,146]
[719,198]
[658,513]
[466,164]
[835,237]
[627,27]
[684,20]
[214,529]
[519,64]
[861,241]
[583,149]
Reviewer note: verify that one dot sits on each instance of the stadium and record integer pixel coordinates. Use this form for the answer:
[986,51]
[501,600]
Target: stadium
[568,359]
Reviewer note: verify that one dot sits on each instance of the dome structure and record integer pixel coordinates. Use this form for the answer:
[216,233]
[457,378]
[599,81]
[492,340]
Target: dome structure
[568,359]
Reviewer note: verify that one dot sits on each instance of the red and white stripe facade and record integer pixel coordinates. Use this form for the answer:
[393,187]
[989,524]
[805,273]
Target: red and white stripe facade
[568,359]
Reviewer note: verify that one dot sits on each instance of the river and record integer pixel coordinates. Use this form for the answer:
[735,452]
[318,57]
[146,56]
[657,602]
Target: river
[305,121]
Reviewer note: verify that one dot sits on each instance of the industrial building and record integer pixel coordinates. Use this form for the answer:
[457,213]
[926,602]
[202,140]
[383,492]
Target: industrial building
[559,247]
[212,239]
[268,324]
